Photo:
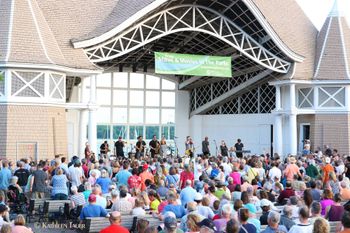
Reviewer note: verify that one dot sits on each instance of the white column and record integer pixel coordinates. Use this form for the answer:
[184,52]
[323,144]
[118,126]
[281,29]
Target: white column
[92,126]
[277,135]
[278,98]
[292,122]
[82,132]
[277,127]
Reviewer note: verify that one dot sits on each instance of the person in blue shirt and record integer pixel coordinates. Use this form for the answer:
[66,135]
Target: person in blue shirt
[187,194]
[123,175]
[172,206]
[92,210]
[5,176]
[104,181]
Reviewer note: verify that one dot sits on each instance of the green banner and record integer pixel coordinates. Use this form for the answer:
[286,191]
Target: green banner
[188,64]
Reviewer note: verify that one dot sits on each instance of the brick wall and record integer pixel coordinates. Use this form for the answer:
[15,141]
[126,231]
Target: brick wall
[310,119]
[44,125]
[332,130]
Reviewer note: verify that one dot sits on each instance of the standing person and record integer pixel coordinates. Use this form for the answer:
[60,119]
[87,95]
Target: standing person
[5,176]
[146,175]
[119,147]
[189,145]
[104,149]
[291,170]
[115,220]
[155,146]
[38,182]
[163,147]
[122,176]
[327,169]
[59,186]
[140,147]
[87,151]
[205,146]
[22,174]
[239,148]
[186,175]
[76,173]
[223,148]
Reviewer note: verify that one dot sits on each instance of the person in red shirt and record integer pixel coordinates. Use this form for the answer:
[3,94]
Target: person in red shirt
[286,194]
[115,220]
[186,175]
[134,181]
[146,175]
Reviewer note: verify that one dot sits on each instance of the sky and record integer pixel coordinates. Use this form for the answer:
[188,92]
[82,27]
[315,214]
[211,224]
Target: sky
[317,10]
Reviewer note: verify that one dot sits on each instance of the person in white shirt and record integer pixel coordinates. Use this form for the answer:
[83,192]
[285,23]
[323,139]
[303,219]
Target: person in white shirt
[76,173]
[139,207]
[275,172]
[64,166]
[304,226]
[227,167]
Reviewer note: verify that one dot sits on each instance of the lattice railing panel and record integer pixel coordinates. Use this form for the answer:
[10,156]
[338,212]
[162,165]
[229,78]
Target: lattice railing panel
[28,84]
[57,88]
[186,18]
[220,88]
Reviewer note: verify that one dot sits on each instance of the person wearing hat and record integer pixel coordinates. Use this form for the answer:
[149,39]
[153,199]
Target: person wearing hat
[291,169]
[115,220]
[327,169]
[220,189]
[170,225]
[146,175]
[92,210]
[206,226]
[265,206]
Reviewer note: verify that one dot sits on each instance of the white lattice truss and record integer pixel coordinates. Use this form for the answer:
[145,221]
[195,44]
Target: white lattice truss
[28,84]
[186,18]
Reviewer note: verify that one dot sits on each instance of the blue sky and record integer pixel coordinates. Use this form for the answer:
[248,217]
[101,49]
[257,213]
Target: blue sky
[317,10]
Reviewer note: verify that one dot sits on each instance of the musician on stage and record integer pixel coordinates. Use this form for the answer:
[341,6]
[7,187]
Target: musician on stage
[119,147]
[239,148]
[104,149]
[189,145]
[163,147]
[155,146]
[223,148]
[205,146]
[140,147]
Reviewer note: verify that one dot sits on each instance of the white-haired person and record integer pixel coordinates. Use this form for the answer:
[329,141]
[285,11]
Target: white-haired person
[273,220]
[59,186]
[104,181]
[225,216]
[77,199]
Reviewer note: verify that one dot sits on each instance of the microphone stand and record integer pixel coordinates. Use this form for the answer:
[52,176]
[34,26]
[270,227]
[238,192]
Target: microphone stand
[216,149]
[176,148]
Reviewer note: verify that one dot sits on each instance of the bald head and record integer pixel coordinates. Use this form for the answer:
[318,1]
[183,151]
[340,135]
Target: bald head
[115,217]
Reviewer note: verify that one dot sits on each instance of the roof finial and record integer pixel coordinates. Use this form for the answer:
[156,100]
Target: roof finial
[336,10]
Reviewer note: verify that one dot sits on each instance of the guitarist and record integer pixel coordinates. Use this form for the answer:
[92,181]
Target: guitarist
[140,147]
[189,146]
[154,145]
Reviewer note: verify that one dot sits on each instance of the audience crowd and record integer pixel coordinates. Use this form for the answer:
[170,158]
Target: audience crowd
[207,194]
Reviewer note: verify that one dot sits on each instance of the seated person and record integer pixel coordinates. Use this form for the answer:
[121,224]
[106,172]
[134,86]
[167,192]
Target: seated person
[92,210]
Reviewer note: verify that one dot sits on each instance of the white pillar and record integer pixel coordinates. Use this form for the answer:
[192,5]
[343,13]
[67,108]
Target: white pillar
[293,134]
[82,132]
[277,127]
[292,122]
[92,126]
[278,98]
[277,135]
